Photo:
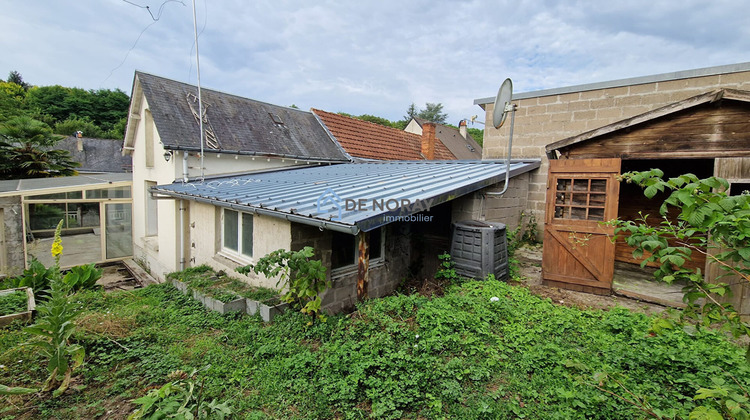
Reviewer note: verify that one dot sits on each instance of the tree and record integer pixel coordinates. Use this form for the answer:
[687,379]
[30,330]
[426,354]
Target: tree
[709,222]
[15,77]
[26,146]
[433,113]
[411,112]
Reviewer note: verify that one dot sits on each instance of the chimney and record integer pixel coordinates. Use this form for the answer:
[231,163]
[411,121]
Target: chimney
[428,140]
[79,136]
[462,128]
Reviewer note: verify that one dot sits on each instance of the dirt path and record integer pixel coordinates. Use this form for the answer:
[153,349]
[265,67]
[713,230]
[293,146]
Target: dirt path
[530,267]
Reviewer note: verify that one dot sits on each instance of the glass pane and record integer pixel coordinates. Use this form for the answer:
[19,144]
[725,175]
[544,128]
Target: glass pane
[580,199]
[597,200]
[55,196]
[247,234]
[577,213]
[117,192]
[596,214]
[375,243]
[562,198]
[561,212]
[599,185]
[580,185]
[74,195]
[118,230]
[343,250]
[563,184]
[45,216]
[231,225]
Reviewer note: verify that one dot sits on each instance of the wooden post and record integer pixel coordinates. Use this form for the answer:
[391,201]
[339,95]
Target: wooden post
[363,265]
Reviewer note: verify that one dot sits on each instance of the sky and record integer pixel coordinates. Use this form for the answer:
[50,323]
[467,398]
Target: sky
[367,57]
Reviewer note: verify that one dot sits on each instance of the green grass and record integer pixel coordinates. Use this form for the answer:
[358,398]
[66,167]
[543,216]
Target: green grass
[457,356]
[13,303]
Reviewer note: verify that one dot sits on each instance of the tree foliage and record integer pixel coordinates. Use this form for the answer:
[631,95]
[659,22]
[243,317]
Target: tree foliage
[709,222]
[97,113]
[27,149]
[433,113]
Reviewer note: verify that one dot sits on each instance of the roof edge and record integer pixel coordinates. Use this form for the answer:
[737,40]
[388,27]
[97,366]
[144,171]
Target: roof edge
[661,77]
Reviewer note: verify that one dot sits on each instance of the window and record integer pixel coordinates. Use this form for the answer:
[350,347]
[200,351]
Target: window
[152,211]
[237,232]
[345,249]
[149,134]
[580,199]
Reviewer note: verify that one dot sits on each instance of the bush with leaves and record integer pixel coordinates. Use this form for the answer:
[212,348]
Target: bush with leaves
[37,277]
[708,219]
[302,276]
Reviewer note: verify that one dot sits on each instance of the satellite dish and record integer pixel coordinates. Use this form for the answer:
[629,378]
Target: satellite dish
[502,103]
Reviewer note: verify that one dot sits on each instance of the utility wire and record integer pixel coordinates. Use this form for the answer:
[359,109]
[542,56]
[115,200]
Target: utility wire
[154,18]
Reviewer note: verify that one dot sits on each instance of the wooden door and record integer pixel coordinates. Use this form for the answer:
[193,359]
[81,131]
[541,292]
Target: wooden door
[578,249]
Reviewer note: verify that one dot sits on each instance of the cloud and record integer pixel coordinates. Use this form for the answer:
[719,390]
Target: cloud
[373,57]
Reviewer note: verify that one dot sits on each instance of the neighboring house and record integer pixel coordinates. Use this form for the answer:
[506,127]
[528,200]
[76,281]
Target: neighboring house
[96,210]
[241,135]
[706,135]
[458,141]
[366,140]
[546,116]
[96,155]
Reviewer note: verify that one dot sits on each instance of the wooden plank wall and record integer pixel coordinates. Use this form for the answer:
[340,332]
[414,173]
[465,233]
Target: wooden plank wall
[711,130]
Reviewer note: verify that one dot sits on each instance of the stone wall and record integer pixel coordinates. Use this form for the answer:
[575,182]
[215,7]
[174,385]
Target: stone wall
[383,277]
[547,117]
[12,260]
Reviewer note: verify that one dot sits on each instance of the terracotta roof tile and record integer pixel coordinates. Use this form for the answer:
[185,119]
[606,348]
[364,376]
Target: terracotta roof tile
[368,140]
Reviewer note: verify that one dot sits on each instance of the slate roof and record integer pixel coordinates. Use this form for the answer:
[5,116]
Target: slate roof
[367,140]
[462,148]
[98,155]
[234,124]
[297,195]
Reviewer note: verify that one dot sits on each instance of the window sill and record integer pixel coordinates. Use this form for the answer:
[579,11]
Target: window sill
[239,260]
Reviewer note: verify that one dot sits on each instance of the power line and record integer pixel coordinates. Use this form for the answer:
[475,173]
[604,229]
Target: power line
[154,18]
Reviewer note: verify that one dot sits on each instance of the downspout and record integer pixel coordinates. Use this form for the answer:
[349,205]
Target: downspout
[182,235]
[185,166]
[510,146]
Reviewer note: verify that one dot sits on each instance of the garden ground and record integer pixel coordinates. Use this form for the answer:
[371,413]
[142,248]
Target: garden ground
[482,350]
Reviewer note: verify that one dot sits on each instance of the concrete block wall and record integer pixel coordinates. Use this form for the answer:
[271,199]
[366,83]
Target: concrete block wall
[383,277]
[505,209]
[12,262]
[548,117]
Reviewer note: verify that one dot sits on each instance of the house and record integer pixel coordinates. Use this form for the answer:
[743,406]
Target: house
[546,116]
[96,155]
[458,141]
[163,137]
[96,210]
[366,140]
[371,223]
[707,135]
[272,177]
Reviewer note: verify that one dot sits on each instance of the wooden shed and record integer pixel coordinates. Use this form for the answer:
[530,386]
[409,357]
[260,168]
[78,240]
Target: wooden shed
[706,135]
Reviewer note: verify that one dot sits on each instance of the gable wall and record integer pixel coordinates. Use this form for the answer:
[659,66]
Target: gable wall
[545,119]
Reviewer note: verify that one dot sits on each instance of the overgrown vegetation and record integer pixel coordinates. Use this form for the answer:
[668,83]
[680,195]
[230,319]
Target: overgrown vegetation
[484,350]
[13,303]
[709,222]
[300,274]
[222,287]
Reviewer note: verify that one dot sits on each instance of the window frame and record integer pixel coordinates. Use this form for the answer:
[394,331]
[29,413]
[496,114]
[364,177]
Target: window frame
[374,262]
[238,254]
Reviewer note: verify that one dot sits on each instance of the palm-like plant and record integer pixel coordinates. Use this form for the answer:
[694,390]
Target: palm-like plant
[27,146]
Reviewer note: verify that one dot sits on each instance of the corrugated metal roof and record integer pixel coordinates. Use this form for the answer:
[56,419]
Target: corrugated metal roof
[22,186]
[311,195]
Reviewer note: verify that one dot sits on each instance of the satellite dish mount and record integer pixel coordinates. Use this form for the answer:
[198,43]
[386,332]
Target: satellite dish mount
[503,106]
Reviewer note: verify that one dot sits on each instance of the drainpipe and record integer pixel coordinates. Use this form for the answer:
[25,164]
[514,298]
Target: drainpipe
[182,235]
[185,166]
[510,147]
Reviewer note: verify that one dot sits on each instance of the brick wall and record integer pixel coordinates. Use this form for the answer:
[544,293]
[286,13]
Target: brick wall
[544,119]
